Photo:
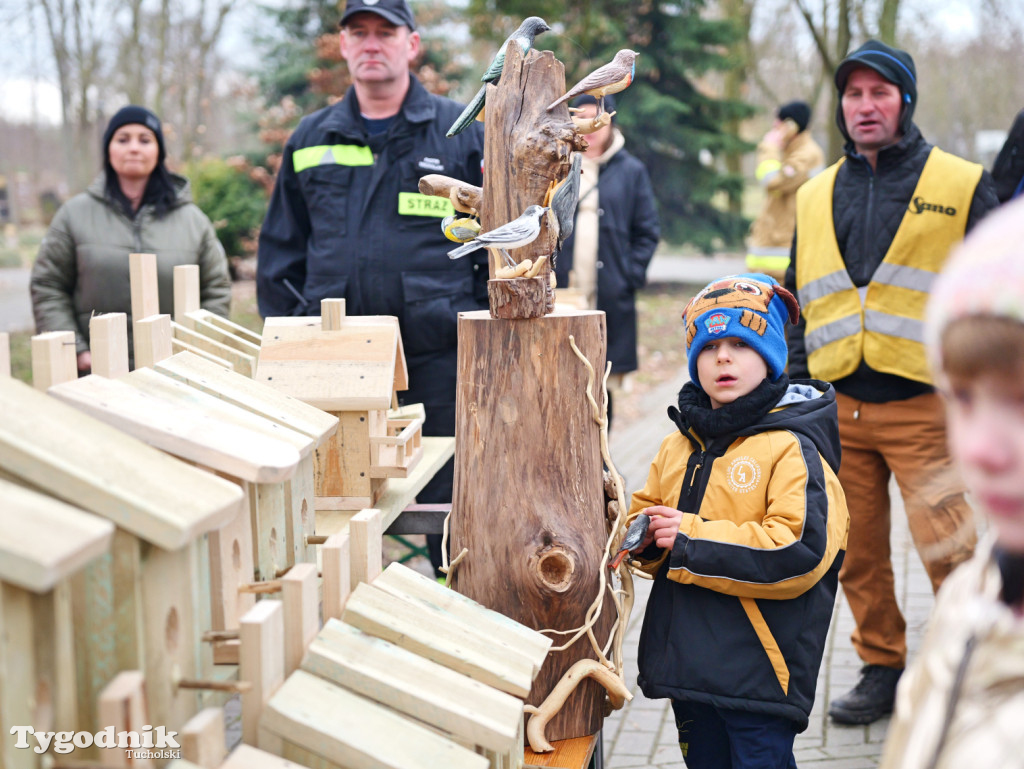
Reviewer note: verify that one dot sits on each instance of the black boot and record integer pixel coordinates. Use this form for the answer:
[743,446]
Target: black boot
[870,699]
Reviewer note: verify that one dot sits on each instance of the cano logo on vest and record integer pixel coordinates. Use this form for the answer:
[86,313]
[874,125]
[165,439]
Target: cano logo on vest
[919,206]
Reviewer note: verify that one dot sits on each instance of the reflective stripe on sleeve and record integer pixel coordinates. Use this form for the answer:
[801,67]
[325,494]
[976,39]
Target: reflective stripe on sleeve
[331,154]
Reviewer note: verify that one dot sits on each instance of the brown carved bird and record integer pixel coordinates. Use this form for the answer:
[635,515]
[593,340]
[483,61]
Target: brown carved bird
[613,77]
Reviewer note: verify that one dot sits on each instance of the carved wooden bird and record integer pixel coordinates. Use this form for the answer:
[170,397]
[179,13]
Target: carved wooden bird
[460,230]
[519,232]
[563,201]
[613,77]
[634,536]
[523,37]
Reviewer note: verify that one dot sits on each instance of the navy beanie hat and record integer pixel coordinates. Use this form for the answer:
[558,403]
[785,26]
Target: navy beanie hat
[751,307]
[894,65]
[133,114]
[797,111]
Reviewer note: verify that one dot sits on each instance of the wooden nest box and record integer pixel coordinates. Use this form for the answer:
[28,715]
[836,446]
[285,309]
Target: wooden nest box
[350,367]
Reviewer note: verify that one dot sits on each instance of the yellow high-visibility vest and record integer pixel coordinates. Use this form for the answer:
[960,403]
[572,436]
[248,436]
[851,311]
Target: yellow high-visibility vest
[883,322]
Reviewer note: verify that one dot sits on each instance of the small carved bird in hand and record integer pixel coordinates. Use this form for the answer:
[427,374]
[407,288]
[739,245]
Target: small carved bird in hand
[613,77]
[460,230]
[523,37]
[515,234]
[563,200]
[634,536]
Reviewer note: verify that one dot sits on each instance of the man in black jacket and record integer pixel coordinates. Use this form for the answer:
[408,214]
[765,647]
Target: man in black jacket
[872,233]
[346,219]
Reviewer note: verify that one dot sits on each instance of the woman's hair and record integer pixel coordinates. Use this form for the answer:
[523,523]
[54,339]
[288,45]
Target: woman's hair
[980,345]
[160,192]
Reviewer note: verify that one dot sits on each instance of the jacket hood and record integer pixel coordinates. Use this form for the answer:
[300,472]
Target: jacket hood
[808,407]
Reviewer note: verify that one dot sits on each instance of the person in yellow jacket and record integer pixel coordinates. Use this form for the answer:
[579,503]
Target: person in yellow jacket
[787,157]
[872,233]
[961,701]
[747,530]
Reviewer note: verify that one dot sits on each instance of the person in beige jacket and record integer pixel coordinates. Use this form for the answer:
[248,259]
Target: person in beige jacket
[786,157]
[960,703]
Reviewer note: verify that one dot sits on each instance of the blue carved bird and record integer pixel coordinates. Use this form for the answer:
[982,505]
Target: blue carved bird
[613,77]
[523,37]
[634,536]
[515,234]
[563,201]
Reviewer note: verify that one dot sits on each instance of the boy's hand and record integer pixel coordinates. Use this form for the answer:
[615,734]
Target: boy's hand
[664,526]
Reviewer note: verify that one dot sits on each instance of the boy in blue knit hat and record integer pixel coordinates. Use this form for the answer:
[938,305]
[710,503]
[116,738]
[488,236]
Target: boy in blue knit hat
[747,531]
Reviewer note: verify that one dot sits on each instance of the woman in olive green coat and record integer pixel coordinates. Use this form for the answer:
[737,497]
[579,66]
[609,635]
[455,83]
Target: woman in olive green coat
[135,206]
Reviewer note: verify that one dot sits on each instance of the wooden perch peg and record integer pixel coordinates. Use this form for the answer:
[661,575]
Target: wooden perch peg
[217,636]
[618,694]
[466,198]
[231,687]
[270,586]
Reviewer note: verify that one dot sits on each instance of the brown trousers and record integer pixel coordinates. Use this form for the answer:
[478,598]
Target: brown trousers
[907,439]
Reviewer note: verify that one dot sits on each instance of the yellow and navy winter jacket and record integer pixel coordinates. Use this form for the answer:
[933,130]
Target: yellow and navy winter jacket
[741,604]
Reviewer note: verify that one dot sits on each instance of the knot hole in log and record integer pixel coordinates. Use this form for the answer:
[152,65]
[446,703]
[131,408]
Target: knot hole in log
[555,568]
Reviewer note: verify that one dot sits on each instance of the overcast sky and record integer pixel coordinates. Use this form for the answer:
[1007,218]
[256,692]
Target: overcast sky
[28,82]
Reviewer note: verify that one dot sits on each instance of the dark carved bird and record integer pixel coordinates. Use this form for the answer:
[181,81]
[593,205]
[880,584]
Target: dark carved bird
[564,198]
[634,536]
[519,232]
[613,77]
[523,37]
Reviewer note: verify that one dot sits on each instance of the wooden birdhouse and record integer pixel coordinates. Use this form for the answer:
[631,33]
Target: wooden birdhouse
[138,608]
[45,544]
[351,367]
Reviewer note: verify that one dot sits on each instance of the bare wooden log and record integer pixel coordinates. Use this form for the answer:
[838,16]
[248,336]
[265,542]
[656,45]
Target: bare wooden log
[520,297]
[466,198]
[528,455]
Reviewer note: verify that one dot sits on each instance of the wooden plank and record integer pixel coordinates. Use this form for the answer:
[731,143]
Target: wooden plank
[17,674]
[415,686]
[199,323]
[151,337]
[45,540]
[301,600]
[270,527]
[186,290]
[145,287]
[240,362]
[257,397]
[261,662]
[337,581]
[195,434]
[343,461]
[81,460]
[169,599]
[568,754]
[228,325]
[400,492]
[122,704]
[424,632]
[365,558]
[355,732]
[108,341]
[332,314]
[231,565]
[410,584]
[178,347]
[53,359]
[300,512]
[351,369]
[5,354]
[203,738]
[248,757]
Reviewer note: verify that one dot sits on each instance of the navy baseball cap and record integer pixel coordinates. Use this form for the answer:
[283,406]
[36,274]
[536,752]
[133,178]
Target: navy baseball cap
[397,12]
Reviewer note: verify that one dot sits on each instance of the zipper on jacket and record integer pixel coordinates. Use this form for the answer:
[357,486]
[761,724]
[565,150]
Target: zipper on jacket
[687,495]
[869,209]
[137,231]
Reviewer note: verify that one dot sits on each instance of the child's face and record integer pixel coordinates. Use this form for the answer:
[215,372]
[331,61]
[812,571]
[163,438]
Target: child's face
[986,437]
[728,369]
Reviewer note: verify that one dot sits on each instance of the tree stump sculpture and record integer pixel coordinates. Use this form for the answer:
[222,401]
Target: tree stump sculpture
[528,501]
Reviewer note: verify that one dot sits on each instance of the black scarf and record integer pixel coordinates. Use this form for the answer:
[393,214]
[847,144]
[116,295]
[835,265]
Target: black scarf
[695,409]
